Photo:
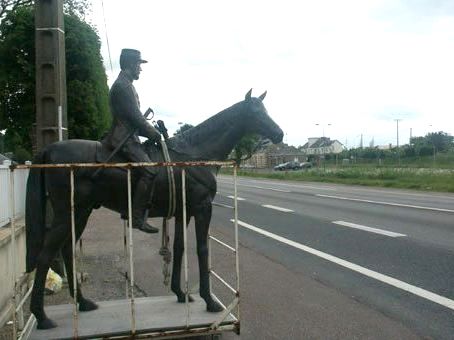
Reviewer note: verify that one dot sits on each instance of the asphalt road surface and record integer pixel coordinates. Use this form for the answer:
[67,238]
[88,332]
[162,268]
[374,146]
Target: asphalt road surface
[388,253]
[317,261]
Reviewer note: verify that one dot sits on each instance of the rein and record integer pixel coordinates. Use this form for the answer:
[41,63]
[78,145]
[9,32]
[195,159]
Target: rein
[165,251]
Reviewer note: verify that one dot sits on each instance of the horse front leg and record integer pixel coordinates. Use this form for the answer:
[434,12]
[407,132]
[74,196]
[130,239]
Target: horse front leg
[178,249]
[202,225]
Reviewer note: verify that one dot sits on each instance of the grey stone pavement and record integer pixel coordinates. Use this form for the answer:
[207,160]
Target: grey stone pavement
[276,302]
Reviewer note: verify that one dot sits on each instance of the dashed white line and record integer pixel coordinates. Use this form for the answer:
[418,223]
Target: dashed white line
[386,203]
[276,208]
[441,300]
[222,205]
[264,188]
[369,229]
[238,198]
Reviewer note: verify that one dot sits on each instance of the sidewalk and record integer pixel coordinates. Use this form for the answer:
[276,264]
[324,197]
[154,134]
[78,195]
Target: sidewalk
[276,303]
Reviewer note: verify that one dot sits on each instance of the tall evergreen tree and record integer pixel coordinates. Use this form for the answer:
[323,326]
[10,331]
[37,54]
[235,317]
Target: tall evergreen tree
[88,112]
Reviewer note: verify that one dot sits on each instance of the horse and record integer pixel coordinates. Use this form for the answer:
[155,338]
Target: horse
[213,139]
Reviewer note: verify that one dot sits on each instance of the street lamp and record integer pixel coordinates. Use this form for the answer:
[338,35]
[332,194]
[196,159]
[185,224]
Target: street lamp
[323,127]
[398,151]
[433,146]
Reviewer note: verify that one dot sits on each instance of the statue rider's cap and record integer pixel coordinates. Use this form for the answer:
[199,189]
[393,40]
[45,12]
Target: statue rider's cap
[131,55]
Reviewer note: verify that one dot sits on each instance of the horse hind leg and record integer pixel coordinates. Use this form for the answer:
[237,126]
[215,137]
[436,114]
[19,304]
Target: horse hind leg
[202,224]
[53,240]
[178,249]
[85,304]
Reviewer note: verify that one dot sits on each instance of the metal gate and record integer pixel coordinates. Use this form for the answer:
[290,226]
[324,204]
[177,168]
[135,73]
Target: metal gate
[223,321]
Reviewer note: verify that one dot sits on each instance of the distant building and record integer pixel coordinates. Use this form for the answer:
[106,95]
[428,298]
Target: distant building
[321,146]
[274,155]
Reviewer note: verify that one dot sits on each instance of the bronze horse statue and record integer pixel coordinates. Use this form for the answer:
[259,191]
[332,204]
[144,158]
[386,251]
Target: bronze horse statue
[213,139]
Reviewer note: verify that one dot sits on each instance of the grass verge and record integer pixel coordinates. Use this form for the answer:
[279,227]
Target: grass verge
[403,178]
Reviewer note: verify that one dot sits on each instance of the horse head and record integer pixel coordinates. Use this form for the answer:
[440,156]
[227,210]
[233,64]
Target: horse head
[258,120]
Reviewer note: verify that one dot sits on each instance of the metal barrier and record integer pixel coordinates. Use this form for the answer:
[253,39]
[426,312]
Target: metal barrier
[128,241]
[20,181]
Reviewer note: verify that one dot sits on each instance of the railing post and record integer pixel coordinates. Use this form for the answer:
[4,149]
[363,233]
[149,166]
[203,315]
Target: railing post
[13,247]
[73,239]
[125,249]
[237,258]
[185,245]
[131,256]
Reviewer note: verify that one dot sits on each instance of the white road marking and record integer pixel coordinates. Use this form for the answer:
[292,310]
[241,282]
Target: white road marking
[441,300]
[370,229]
[295,186]
[238,198]
[386,203]
[276,208]
[222,205]
[264,188]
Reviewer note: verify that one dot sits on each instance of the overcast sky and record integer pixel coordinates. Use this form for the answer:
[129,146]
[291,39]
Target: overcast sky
[357,65]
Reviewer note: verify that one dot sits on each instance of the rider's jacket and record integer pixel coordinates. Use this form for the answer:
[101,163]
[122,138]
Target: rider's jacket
[127,117]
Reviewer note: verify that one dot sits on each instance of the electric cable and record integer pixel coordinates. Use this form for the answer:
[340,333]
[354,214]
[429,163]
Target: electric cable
[107,36]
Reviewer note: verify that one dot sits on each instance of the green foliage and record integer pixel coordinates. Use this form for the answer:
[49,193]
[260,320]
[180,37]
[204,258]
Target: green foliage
[17,97]
[2,143]
[429,180]
[183,128]
[245,148]
[7,6]
[77,8]
[432,143]
[88,111]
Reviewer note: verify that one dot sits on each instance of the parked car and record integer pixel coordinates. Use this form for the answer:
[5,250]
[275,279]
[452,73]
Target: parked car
[306,165]
[288,166]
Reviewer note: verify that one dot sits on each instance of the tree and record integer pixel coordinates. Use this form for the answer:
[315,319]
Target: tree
[246,147]
[2,142]
[183,128]
[7,6]
[88,112]
[441,141]
[78,8]
[72,7]
[432,142]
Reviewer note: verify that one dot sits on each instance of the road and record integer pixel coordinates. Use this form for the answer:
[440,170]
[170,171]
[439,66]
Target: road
[389,251]
[301,275]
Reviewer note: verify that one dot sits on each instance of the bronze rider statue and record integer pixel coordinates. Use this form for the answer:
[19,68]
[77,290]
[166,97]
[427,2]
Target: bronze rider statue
[127,117]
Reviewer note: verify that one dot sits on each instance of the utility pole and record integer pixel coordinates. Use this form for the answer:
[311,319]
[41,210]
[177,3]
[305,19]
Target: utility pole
[398,150]
[51,114]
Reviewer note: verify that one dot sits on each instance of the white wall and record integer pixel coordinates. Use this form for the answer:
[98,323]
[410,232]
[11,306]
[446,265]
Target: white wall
[20,182]
[12,259]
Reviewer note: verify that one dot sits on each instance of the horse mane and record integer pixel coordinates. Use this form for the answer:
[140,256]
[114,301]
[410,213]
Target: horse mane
[189,141]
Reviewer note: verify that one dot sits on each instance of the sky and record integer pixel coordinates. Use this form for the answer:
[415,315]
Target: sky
[342,69]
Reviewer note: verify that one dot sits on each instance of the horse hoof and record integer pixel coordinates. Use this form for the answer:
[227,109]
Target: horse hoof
[214,307]
[182,298]
[87,305]
[46,324]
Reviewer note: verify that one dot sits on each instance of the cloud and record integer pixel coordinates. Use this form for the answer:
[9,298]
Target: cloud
[354,64]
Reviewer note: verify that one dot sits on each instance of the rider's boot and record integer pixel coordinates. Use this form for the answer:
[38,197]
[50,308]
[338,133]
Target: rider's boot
[140,203]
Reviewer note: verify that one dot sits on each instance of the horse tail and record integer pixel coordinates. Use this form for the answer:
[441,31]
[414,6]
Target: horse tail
[35,212]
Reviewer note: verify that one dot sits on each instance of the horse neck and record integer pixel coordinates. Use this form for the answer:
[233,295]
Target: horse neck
[215,138]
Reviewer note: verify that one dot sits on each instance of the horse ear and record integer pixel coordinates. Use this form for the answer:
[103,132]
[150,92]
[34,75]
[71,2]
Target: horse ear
[262,96]
[248,95]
